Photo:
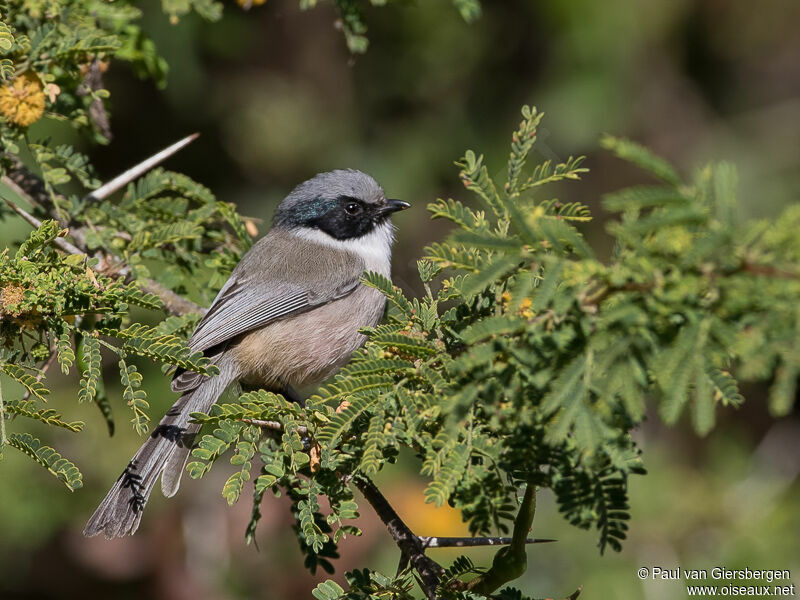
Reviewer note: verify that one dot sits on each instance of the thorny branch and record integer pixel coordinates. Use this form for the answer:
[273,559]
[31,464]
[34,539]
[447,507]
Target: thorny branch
[29,187]
[412,546]
[26,184]
[591,298]
[93,81]
[469,542]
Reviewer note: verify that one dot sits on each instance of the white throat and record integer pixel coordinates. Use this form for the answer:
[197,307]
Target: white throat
[374,248]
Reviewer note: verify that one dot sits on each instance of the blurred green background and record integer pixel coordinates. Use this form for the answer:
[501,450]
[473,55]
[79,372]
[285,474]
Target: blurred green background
[277,98]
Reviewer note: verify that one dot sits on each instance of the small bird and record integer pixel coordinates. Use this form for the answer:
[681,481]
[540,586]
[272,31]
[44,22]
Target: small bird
[288,317]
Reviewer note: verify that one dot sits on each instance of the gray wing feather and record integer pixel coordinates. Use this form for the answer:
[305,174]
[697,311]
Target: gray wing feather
[243,313]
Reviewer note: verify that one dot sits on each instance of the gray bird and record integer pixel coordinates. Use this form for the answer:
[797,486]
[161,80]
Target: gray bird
[288,317]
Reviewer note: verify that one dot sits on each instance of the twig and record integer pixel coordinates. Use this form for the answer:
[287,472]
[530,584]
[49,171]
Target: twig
[274,425]
[592,300]
[465,542]
[425,541]
[34,222]
[93,81]
[767,271]
[105,190]
[410,545]
[510,562]
[27,185]
[173,303]
[19,190]
[30,188]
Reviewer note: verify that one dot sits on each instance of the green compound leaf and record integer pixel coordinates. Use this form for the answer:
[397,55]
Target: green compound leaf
[22,376]
[134,396]
[48,416]
[48,458]
[90,362]
[342,422]
[65,354]
[642,158]
[150,343]
[448,476]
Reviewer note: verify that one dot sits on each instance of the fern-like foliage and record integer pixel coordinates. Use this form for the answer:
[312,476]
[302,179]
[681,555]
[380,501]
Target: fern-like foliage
[529,360]
[48,458]
[67,304]
[74,313]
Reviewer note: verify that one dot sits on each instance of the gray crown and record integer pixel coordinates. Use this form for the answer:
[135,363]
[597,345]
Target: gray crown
[330,185]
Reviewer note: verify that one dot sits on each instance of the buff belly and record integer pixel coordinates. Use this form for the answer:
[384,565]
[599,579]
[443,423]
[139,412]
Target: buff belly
[309,347]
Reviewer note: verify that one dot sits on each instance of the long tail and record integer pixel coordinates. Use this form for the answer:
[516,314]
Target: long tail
[165,451]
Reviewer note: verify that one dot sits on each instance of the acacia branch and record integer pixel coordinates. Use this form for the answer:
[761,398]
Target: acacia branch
[510,562]
[60,242]
[31,189]
[425,541]
[174,304]
[27,185]
[767,271]
[274,425]
[590,300]
[410,545]
[93,81]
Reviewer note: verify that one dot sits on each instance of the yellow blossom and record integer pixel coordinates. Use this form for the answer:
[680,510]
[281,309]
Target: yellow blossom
[22,100]
[10,294]
[248,3]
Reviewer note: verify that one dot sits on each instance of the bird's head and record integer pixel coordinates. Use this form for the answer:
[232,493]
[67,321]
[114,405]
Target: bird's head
[344,204]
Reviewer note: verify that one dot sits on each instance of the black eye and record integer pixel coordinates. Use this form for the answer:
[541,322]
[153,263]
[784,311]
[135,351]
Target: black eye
[352,208]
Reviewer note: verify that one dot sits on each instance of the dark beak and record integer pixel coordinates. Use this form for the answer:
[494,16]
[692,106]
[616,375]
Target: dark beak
[393,206]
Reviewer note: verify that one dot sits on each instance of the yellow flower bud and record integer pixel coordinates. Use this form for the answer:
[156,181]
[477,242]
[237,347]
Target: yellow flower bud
[22,100]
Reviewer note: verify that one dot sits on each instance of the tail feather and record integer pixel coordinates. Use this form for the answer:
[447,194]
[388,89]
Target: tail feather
[174,465]
[165,452]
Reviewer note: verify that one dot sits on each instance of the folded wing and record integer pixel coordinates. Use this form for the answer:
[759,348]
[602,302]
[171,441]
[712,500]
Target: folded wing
[275,280]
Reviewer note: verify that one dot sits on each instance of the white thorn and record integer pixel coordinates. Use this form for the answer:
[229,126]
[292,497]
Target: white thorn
[105,190]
